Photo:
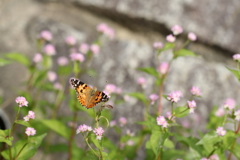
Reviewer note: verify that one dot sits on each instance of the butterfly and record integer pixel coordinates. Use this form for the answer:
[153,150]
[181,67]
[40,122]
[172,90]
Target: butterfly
[87,96]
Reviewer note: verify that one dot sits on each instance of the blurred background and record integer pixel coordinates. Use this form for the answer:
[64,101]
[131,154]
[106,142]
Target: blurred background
[137,25]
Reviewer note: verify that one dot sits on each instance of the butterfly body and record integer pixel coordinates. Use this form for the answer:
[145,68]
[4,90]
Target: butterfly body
[87,96]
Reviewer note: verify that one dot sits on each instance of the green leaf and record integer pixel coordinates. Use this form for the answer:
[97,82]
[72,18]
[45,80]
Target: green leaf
[22,122]
[4,136]
[57,127]
[169,144]
[64,70]
[210,138]
[181,111]
[157,140]
[60,147]
[168,46]
[27,148]
[150,70]
[4,62]
[228,139]
[183,52]
[236,73]
[18,57]
[235,150]
[139,96]
[95,141]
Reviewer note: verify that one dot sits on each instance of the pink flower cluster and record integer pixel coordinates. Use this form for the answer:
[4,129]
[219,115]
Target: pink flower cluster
[77,57]
[83,48]
[195,91]
[106,30]
[122,122]
[49,50]
[153,98]
[98,132]
[142,81]
[163,68]
[161,121]
[237,115]
[31,115]
[83,128]
[229,104]
[111,88]
[192,105]
[220,131]
[236,57]
[158,45]
[21,101]
[37,58]
[174,96]
[70,40]
[45,34]
[30,131]
[52,76]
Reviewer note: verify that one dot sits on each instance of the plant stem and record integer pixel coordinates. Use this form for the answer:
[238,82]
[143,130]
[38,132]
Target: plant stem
[91,147]
[236,132]
[21,150]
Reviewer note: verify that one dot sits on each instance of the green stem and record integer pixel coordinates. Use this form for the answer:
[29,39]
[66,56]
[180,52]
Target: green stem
[211,153]
[233,145]
[86,140]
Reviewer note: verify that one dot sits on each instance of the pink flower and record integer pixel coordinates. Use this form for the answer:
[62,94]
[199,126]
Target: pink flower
[49,49]
[84,48]
[169,116]
[174,96]
[176,29]
[106,30]
[21,101]
[70,40]
[122,121]
[191,105]
[77,57]
[37,58]
[98,132]
[229,104]
[237,115]
[220,131]
[214,157]
[236,57]
[204,158]
[58,86]
[142,81]
[31,114]
[161,121]
[130,142]
[153,98]
[170,38]
[192,36]
[95,49]
[110,88]
[83,128]
[47,35]
[113,123]
[62,61]
[30,131]
[185,124]
[195,91]
[52,76]
[26,118]
[129,133]
[158,45]
[163,68]
[220,112]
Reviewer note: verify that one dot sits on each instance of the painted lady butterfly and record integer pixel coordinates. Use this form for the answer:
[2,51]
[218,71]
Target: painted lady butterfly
[86,95]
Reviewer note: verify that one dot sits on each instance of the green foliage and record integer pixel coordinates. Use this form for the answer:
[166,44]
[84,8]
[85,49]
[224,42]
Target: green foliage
[18,57]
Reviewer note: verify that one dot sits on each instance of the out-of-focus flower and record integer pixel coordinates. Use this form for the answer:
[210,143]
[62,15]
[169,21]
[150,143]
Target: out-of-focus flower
[49,49]
[37,58]
[192,105]
[95,49]
[142,81]
[220,131]
[185,123]
[47,35]
[62,61]
[122,121]
[163,68]
[170,38]
[21,101]
[174,96]
[77,57]
[220,112]
[98,132]
[204,158]
[153,98]
[176,29]
[84,48]
[106,30]
[70,40]
[58,86]
[112,123]
[214,157]
[229,104]
[131,134]
[130,142]
[169,116]
[236,57]
[195,91]
[30,131]
[110,88]
[158,45]
[31,115]
[83,128]
[52,76]
[237,114]
[192,36]
[161,121]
